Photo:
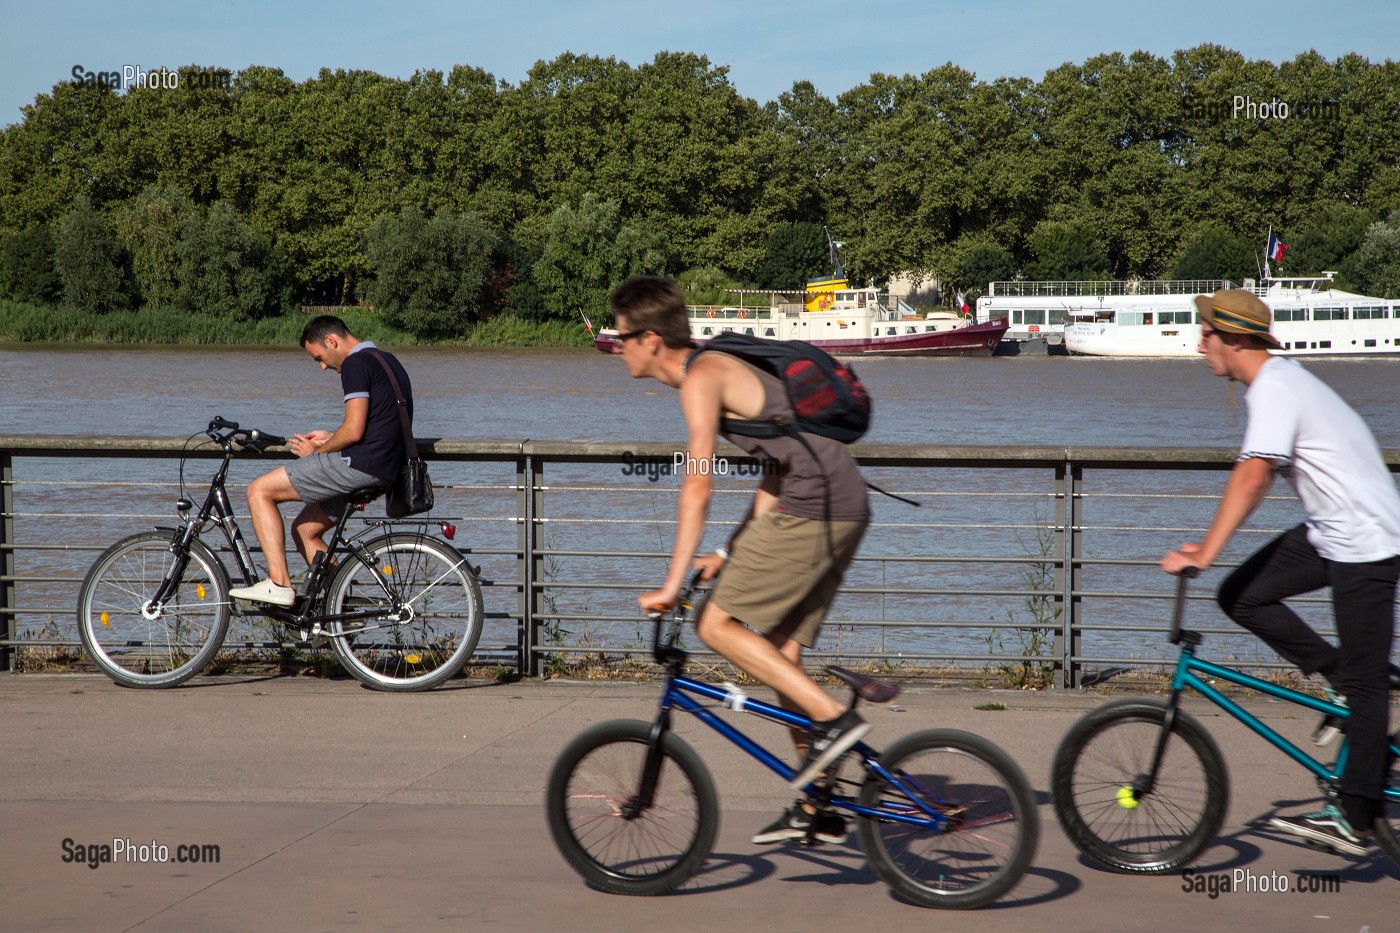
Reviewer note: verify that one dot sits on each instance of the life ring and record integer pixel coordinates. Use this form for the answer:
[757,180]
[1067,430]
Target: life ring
[710,313]
[743,313]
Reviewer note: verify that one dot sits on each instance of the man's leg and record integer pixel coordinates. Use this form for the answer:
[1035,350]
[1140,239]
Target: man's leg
[1253,596]
[761,659]
[1363,599]
[309,531]
[264,495]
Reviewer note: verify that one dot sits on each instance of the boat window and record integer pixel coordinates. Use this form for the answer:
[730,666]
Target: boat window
[1329,314]
[1035,316]
[1290,314]
[1129,317]
[911,330]
[1368,343]
[1056,316]
[749,331]
[769,332]
[1103,317]
[928,328]
[709,331]
[1017,316]
[889,331]
[1370,313]
[728,330]
[1324,344]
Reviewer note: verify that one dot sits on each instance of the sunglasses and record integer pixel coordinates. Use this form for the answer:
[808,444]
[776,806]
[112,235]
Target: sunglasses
[619,339]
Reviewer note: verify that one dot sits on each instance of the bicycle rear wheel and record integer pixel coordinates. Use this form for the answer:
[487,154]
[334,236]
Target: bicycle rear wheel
[992,827]
[588,799]
[1092,780]
[431,612]
[135,645]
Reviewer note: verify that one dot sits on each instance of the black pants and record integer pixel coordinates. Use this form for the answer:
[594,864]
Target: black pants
[1363,600]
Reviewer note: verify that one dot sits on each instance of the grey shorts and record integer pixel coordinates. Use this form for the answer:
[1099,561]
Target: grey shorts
[327,480]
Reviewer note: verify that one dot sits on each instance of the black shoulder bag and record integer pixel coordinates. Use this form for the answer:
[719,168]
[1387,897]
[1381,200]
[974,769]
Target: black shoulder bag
[413,493]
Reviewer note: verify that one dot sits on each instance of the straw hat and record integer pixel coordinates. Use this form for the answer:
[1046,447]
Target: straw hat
[1236,311]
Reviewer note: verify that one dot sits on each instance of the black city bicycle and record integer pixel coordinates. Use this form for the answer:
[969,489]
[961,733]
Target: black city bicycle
[401,608]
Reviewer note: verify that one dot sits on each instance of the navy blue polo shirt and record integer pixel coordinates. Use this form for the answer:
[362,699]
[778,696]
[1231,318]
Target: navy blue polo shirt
[380,453]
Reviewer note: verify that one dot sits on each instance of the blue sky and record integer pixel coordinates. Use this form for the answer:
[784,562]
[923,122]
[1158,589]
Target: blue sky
[766,45]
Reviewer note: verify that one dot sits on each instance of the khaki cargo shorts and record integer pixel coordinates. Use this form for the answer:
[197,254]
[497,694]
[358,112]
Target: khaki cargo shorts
[783,573]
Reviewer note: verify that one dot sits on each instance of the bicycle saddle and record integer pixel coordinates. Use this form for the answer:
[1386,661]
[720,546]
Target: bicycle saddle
[867,688]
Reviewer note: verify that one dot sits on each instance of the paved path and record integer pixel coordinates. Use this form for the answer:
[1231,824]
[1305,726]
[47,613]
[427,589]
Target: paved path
[334,807]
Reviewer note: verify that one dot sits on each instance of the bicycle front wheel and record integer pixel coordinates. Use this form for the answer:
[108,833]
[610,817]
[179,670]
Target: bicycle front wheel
[140,646]
[607,834]
[991,832]
[429,612]
[1093,782]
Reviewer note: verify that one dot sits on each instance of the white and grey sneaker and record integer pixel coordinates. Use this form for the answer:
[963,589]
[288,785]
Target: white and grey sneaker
[265,591]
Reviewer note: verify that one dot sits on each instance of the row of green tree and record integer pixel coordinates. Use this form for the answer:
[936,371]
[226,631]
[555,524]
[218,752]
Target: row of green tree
[445,199]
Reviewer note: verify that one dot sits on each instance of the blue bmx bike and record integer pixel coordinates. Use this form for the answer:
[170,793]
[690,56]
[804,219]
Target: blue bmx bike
[945,817]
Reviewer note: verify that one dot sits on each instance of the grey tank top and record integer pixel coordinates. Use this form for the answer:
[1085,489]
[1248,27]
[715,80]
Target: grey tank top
[825,486]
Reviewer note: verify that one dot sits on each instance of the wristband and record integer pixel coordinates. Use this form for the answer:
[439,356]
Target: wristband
[723,552]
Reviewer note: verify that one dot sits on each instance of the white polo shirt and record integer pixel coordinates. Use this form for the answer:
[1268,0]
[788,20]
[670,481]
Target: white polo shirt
[1330,456]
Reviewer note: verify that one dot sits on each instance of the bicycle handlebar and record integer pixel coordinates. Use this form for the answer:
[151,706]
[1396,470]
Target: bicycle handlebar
[243,437]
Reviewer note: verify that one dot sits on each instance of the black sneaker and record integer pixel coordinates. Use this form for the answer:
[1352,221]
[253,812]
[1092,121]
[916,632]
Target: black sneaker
[828,742]
[797,823]
[1327,827]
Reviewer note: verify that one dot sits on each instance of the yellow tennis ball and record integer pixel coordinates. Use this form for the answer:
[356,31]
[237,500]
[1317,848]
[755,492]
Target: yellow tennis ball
[1126,800]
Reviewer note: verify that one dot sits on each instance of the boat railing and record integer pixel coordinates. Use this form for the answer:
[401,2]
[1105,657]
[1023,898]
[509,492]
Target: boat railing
[1106,288]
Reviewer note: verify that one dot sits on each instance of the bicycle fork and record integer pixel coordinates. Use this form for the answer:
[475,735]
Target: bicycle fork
[645,796]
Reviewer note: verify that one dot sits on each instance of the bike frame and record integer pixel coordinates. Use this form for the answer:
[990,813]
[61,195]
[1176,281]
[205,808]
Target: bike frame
[682,693]
[218,510]
[1189,669]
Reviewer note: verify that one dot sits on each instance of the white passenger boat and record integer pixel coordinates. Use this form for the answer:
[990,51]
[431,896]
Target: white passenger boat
[1158,318]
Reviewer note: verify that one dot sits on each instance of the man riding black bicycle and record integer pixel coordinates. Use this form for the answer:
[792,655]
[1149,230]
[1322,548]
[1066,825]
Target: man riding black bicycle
[365,451]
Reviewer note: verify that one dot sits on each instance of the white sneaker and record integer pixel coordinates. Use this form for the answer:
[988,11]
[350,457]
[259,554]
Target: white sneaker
[265,591]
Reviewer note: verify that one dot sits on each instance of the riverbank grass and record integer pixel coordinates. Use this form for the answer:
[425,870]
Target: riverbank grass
[31,323]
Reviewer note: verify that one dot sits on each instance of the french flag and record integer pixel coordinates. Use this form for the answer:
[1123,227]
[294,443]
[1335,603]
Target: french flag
[962,306]
[1276,247]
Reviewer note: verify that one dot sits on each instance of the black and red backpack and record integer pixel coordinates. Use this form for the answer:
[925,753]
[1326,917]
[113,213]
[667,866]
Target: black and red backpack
[827,398]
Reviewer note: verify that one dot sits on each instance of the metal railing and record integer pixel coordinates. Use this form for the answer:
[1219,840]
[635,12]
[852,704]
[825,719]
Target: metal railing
[1025,563]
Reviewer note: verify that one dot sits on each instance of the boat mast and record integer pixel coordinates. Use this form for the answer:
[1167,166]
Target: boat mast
[832,247]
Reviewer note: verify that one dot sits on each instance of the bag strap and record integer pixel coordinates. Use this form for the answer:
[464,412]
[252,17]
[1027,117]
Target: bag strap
[410,445]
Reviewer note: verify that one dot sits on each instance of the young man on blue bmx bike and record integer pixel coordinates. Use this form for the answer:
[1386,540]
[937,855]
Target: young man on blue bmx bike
[1299,428]
[781,569]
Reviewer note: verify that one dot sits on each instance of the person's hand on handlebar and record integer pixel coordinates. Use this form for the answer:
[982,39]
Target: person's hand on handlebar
[1188,555]
[709,565]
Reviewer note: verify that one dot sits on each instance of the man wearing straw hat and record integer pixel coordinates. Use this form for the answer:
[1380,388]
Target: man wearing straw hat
[1299,428]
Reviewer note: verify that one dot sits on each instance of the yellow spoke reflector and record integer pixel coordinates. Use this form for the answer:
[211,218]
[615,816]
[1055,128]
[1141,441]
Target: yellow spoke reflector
[199,591]
[413,658]
[1126,799]
[106,619]
[388,571]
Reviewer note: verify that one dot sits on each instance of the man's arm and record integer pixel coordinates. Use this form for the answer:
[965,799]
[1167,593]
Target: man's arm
[1248,484]
[701,395]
